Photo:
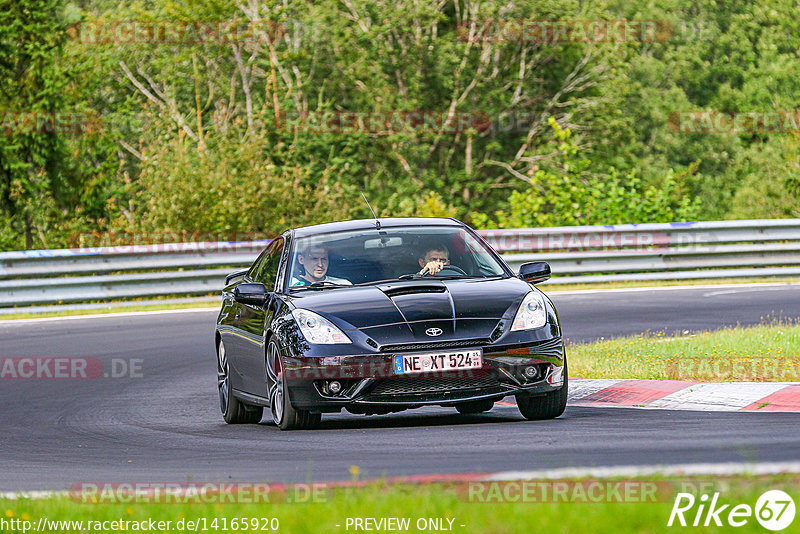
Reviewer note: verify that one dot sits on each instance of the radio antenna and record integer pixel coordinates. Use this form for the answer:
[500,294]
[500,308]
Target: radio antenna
[377,222]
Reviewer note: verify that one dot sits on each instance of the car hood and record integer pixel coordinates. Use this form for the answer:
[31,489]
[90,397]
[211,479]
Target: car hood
[398,312]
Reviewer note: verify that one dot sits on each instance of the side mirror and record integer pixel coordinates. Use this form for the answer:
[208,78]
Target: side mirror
[535,272]
[253,294]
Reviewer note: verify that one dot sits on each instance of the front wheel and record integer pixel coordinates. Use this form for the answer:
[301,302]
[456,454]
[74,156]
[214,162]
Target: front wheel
[233,410]
[547,406]
[285,416]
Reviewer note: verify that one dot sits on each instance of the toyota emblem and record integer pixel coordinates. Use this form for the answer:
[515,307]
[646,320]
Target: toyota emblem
[434,332]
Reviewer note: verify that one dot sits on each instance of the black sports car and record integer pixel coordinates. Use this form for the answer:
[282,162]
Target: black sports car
[383,315]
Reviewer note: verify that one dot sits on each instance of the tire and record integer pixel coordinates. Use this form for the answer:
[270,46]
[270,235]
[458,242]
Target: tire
[284,415]
[233,410]
[475,407]
[547,406]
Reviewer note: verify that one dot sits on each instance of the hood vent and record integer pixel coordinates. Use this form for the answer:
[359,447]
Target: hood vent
[412,290]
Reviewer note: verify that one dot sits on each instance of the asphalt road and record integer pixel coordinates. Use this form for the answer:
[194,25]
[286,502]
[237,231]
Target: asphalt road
[163,423]
[587,316]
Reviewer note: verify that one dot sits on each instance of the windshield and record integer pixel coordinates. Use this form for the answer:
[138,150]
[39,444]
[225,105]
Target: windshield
[365,257]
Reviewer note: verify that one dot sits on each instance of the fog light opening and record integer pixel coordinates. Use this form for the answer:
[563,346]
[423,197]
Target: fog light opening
[531,372]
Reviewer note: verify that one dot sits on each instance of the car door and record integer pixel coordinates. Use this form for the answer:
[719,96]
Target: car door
[230,324]
[254,321]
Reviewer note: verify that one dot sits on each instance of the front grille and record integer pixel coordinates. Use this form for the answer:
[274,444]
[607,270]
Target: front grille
[408,347]
[421,385]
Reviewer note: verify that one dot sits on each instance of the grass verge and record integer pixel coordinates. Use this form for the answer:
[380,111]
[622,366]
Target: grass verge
[610,507]
[769,352]
[166,305]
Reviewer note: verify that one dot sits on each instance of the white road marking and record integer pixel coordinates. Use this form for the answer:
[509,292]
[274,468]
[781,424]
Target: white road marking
[721,469]
[14,495]
[718,397]
[745,290]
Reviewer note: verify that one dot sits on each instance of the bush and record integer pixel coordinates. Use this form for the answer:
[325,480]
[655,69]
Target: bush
[577,192]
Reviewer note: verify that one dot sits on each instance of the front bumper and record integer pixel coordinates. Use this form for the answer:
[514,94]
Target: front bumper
[369,383]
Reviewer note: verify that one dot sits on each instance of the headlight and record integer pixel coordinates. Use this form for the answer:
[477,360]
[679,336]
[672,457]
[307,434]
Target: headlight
[317,329]
[531,313]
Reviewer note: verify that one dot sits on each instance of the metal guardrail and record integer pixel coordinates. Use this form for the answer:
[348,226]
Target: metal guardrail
[584,254]
[64,276]
[662,251]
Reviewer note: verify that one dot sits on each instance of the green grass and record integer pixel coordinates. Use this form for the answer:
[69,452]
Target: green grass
[449,501]
[769,352]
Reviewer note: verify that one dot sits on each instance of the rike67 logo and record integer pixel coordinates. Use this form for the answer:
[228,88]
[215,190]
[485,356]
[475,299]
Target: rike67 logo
[774,510]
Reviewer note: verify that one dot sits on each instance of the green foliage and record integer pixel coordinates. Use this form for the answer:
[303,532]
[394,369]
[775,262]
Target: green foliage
[770,180]
[34,173]
[575,191]
[724,56]
[430,204]
[233,188]
[193,136]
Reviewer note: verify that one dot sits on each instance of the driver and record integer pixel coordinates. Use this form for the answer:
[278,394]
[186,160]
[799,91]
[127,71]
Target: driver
[314,260]
[434,259]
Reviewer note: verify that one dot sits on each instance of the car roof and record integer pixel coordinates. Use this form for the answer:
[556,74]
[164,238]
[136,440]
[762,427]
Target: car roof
[369,224]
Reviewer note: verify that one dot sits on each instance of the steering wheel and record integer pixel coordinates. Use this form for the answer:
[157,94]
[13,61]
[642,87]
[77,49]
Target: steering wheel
[452,270]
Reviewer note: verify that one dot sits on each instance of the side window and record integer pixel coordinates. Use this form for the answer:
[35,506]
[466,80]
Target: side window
[268,271]
[279,283]
[251,274]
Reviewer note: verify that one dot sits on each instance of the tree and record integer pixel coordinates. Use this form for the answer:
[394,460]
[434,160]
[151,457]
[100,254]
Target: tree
[573,191]
[33,175]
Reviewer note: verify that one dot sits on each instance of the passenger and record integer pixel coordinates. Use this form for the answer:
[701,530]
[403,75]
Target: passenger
[314,262]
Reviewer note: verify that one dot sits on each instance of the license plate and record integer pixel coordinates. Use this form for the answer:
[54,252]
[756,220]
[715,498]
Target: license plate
[441,361]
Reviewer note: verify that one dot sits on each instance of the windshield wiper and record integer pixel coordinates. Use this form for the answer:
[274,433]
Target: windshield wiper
[376,282]
[401,278]
[417,276]
[321,285]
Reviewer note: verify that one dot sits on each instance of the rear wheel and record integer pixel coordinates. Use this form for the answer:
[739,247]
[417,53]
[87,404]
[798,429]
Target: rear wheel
[475,407]
[285,416]
[233,410]
[547,406]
